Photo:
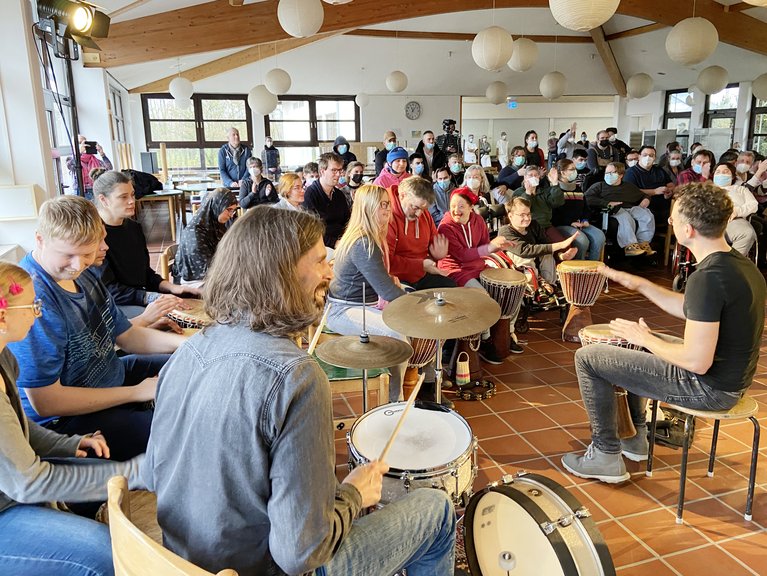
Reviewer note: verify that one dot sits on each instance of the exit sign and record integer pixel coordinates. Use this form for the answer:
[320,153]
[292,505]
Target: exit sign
[512,104]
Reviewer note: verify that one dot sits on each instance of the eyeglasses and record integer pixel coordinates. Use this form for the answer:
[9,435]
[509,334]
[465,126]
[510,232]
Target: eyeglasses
[336,170]
[232,210]
[523,215]
[36,306]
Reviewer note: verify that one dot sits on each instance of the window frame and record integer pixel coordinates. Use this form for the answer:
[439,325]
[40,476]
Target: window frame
[710,115]
[313,141]
[755,111]
[676,115]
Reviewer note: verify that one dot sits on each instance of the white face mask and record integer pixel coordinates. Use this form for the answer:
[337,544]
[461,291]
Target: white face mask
[472,183]
[532,143]
[254,172]
[631,163]
[674,163]
[742,168]
[533,181]
[647,161]
[613,138]
[310,180]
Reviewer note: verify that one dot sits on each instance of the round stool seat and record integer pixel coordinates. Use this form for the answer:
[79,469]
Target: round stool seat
[745,408]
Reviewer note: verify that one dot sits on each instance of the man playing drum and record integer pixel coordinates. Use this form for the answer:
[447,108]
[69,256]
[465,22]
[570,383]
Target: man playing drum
[709,369]
[242,454]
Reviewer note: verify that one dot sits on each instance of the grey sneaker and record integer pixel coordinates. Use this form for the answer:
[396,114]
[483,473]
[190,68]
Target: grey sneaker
[598,465]
[637,447]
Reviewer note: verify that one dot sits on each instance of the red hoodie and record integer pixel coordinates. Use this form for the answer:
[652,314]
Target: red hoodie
[468,244]
[408,240]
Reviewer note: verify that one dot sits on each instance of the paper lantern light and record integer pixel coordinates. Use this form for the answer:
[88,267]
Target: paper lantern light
[691,41]
[584,15]
[496,92]
[300,18]
[396,81]
[762,3]
[362,99]
[759,87]
[689,100]
[712,79]
[553,85]
[181,88]
[639,85]
[492,48]
[337,1]
[183,103]
[525,55]
[261,101]
[277,81]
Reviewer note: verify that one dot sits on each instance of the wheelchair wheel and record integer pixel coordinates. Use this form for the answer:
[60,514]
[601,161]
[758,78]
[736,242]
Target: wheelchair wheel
[677,284]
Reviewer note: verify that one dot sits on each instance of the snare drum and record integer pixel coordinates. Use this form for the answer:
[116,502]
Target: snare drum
[192,318]
[529,525]
[435,448]
[581,282]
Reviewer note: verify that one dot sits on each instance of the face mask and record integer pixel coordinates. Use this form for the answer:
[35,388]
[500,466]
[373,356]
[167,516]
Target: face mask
[356,178]
[472,183]
[580,165]
[571,176]
[533,181]
[532,143]
[519,161]
[390,146]
[342,149]
[647,161]
[268,143]
[342,181]
[674,163]
[471,138]
[571,140]
[455,168]
[503,137]
[310,180]
[418,169]
[443,184]
[429,145]
[612,138]
[631,163]
[611,178]
[583,137]
[742,168]
[697,168]
[254,172]
[603,143]
[722,180]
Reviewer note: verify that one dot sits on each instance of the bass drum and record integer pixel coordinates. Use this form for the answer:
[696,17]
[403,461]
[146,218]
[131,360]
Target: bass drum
[530,525]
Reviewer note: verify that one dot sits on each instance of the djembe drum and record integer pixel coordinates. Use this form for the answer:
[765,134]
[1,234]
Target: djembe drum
[507,287]
[601,334]
[581,282]
[424,351]
[193,318]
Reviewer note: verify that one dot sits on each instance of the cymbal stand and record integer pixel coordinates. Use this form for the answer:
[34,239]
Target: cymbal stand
[365,339]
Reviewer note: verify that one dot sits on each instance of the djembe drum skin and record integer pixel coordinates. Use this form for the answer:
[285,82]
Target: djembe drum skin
[581,283]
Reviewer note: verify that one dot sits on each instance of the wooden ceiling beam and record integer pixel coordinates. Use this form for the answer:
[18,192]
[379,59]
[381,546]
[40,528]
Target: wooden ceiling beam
[635,31]
[457,36]
[608,58]
[738,7]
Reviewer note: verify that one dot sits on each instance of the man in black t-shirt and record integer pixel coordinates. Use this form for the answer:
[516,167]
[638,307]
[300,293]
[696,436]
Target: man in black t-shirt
[709,369]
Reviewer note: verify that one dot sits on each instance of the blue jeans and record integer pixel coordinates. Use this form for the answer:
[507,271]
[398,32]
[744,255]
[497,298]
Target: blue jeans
[643,375]
[589,242]
[416,533]
[36,540]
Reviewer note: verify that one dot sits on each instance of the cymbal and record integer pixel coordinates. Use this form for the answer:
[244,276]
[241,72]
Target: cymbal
[461,312]
[350,352]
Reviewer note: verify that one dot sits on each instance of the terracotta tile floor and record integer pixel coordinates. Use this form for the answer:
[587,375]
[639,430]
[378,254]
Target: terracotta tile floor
[537,415]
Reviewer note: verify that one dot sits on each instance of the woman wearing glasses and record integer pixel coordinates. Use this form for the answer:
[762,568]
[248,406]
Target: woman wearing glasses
[199,239]
[35,538]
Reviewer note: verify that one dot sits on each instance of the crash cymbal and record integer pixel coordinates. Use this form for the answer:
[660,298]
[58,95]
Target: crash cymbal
[460,312]
[351,352]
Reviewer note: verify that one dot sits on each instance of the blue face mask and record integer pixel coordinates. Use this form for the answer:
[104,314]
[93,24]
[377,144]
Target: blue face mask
[571,176]
[722,180]
[342,181]
[443,184]
[417,169]
[429,145]
[611,179]
[580,165]
[697,168]
[342,149]
[455,168]
[390,146]
[519,161]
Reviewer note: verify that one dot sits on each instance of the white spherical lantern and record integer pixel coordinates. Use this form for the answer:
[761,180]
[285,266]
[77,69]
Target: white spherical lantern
[492,48]
[183,103]
[496,92]
[639,85]
[362,99]
[712,79]
[396,81]
[553,85]
[584,15]
[261,101]
[759,87]
[277,81]
[525,55]
[181,88]
[689,100]
[337,1]
[762,3]
[300,18]
[691,41]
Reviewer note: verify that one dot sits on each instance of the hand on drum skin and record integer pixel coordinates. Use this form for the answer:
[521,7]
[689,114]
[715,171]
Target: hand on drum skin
[430,267]
[622,278]
[144,391]
[166,324]
[160,308]
[95,442]
[634,332]
[180,290]
[500,243]
[644,203]
[367,480]
[439,247]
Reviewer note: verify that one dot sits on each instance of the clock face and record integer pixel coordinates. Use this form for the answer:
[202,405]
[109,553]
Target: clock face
[412,110]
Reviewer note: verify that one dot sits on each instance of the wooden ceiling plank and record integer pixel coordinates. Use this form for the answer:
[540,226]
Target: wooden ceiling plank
[635,31]
[608,58]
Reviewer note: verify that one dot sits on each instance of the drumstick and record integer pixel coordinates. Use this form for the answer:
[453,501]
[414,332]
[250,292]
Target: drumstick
[316,338]
[394,433]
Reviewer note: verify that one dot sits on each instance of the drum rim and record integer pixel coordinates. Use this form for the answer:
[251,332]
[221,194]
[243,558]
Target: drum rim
[487,274]
[570,266]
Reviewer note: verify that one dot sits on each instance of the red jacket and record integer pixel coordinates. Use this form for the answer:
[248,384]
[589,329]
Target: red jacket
[408,241]
[467,245]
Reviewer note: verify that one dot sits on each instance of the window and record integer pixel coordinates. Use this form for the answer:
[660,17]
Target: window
[194,136]
[678,111]
[300,124]
[759,126]
[721,108]
[118,114]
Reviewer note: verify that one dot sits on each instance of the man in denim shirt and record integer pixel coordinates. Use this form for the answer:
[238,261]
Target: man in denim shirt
[242,455]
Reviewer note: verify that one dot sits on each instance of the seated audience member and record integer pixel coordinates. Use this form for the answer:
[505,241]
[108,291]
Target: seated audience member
[543,199]
[573,215]
[739,232]
[455,165]
[88,162]
[443,187]
[628,205]
[673,167]
[389,144]
[127,273]
[710,369]
[414,246]
[533,154]
[34,537]
[601,153]
[395,170]
[566,145]
[729,157]
[291,192]
[475,180]
[632,158]
[71,379]
[584,179]
[255,188]
[511,176]
[654,182]
[325,199]
[232,160]
[619,145]
[362,256]
[243,415]
[341,147]
[198,241]
[701,164]
[354,175]
[531,246]
[432,154]
[670,147]
[417,164]
[753,175]
[311,173]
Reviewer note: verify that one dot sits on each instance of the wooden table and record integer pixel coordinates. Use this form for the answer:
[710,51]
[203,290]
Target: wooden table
[175,208]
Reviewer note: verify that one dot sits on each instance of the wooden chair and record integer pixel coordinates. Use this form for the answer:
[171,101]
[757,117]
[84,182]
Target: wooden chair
[165,262]
[136,554]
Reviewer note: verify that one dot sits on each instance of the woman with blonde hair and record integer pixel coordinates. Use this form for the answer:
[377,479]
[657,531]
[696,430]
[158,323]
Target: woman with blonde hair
[362,257]
[475,180]
[291,191]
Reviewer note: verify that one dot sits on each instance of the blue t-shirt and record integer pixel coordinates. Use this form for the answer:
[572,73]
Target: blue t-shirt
[73,341]
[650,179]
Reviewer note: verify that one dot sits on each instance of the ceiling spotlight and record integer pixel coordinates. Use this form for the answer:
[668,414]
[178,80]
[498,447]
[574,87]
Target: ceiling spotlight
[74,19]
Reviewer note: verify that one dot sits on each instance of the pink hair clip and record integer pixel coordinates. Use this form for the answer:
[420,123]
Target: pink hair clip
[15,289]
[3,303]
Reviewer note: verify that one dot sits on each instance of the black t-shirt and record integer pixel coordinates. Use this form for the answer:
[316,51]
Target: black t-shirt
[334,210]
[728,288]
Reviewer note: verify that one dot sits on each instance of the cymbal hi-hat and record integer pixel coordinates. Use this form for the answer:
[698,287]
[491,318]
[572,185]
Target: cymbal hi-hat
[443,313]
[364,352]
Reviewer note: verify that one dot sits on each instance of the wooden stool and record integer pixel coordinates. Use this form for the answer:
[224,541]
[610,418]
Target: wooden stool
[746,408]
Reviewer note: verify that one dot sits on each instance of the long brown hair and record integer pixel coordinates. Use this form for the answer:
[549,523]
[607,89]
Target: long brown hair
[261,287]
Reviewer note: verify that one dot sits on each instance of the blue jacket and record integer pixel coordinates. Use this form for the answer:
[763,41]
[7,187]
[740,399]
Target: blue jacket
[229,171]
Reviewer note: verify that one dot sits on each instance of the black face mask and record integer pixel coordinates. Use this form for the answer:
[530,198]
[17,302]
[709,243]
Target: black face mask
[603,143]
[356,178]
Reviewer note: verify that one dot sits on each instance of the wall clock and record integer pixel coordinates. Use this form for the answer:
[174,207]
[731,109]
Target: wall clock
[413,110]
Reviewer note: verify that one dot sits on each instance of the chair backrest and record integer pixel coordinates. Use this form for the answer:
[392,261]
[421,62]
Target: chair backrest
[165,263]
[136,554]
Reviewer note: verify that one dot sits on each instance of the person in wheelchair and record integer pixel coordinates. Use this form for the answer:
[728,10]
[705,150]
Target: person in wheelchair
[740,233]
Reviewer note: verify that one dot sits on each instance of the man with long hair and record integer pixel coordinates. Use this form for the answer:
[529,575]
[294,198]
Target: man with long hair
[242,454]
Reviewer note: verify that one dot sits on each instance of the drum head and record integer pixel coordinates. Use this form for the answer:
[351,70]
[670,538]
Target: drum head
[502,276]
[579,266]
[428,439]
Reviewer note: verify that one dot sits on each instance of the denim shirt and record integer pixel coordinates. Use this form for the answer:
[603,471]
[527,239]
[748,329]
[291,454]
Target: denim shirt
[242,457]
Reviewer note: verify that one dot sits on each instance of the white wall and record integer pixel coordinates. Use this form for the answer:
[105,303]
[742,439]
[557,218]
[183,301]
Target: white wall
[388,113]
[92,95]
